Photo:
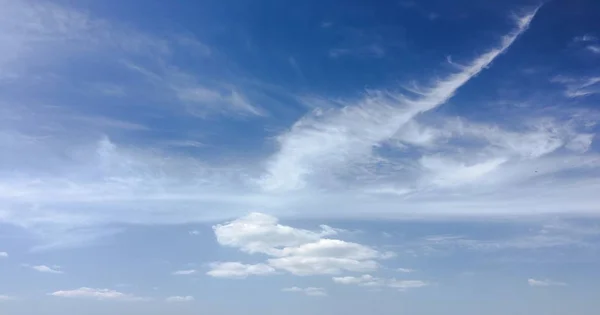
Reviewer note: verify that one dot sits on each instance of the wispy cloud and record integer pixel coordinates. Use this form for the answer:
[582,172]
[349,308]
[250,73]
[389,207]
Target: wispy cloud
[3,254]
[179,299]
[371,281]
[237,270]
[578,87]
[544,283]
[310,291]
[328,141]
[96,294]
[46,269]
[6,298]
[184,272]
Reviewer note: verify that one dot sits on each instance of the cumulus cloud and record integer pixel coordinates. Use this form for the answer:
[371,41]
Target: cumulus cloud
[184,272]
[46,269]
[238,270]
[310,291]
[97,294]
[298,251]
[178,299]
[261,233]
[544,283]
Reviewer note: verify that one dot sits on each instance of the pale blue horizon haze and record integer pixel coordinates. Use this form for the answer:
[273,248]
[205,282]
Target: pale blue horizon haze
[299,157]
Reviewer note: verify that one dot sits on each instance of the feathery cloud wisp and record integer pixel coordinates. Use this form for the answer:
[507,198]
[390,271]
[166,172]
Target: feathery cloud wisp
[97,294]
[310,291]
[544,283]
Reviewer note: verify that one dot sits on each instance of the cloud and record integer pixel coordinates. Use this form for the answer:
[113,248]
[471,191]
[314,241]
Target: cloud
[6,298]
[178,299]
[237,270]
[578,87]
[3,254]
[261,233]
[184,272]
[585,38]
[594,49]
[405,270]
[544,283]
[97,294]
[383,155]
[46,269]
[322,142]
[310,291]
[370,281]
[194,232]
[298,251]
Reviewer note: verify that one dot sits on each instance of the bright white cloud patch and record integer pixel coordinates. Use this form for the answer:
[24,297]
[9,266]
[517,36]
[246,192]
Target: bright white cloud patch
[310,291]
[544,283]
[97,294]
[179,299]
[261,233]
[238,270]
[297,251]
[184,272]
[3,254]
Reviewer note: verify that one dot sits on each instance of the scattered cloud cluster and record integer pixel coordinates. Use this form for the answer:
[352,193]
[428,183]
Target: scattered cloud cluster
[310,291]
[297,251]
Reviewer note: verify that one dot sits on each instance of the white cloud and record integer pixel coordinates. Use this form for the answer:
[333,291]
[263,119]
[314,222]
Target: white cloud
[405,270]
[6,298]
[3,254]
[310,291]
[304,266]
[184,272]
[580,143]
[370,281]
[261,233]
[585,38]
[238,270]
[177,299]
[194,232]
[322,142]
[578,87]
[594,48]
[97,294]
[298,251]
[544,283]
[46,269]
[336,162]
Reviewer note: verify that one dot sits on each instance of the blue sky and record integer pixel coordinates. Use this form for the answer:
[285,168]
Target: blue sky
[261,157]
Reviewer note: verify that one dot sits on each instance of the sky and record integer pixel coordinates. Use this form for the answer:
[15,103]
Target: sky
[299,157]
